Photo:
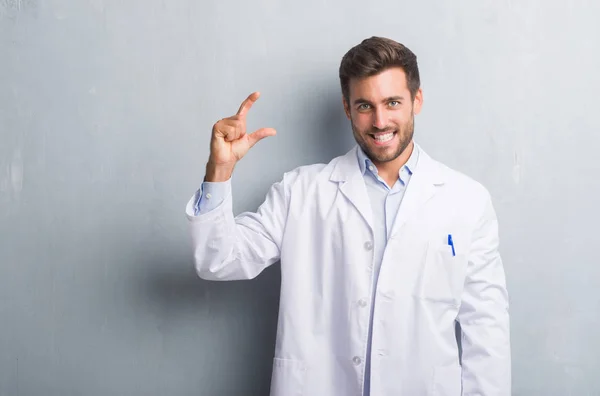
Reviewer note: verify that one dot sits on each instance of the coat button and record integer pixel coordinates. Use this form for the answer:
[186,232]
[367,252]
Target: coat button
[362,303]
[356,360]
[368,245]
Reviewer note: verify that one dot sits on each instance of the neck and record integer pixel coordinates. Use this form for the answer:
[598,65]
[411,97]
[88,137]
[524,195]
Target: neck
[390,170]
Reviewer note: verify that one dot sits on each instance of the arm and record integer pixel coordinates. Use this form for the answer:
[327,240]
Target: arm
[228,247]
[235,248]
[483,316]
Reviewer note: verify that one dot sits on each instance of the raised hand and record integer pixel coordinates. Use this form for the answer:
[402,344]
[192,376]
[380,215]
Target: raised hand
[230,142]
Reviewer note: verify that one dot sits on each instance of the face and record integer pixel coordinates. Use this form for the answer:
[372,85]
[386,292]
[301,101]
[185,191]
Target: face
[381,112]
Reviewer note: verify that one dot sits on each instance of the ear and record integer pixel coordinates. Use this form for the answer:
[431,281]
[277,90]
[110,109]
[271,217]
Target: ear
[346,107]
[418,101]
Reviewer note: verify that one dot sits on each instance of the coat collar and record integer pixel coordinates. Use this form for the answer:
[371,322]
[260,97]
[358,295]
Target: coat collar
[427,176]
[348,168]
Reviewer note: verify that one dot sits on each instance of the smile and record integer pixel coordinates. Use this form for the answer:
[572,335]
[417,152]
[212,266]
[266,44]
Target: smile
[383,138]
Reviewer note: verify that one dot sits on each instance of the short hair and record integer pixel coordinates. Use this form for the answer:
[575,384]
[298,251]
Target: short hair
[375,55]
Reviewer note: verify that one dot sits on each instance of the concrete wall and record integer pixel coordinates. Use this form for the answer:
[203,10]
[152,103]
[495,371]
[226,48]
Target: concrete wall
[105,114]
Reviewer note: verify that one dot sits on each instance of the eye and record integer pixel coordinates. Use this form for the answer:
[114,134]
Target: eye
[364,106]
[394,103]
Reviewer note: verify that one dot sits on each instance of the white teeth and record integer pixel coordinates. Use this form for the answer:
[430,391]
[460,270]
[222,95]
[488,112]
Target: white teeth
[384,138]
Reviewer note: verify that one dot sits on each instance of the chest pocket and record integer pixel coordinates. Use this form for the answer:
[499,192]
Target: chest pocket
[442,273]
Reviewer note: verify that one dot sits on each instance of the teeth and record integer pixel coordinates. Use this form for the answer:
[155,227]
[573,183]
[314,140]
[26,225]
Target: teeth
[384,138]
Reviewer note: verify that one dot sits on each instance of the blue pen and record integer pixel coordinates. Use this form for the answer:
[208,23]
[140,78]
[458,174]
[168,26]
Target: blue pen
[451,243]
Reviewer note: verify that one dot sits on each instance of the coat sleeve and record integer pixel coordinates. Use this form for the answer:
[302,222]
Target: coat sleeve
[241,247]
[483,315]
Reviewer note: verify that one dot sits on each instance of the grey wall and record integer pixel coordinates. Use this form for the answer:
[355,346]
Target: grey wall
[106,108]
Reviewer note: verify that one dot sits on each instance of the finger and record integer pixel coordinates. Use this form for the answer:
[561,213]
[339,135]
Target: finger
[230,129]
[247,104]
[260,134]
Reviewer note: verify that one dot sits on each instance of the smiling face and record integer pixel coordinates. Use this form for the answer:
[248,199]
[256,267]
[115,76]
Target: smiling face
[381,111]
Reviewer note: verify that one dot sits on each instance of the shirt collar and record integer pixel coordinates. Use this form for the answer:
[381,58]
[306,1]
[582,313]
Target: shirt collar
[365,163]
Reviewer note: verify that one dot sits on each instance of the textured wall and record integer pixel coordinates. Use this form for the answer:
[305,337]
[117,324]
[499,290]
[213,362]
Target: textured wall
[105,116]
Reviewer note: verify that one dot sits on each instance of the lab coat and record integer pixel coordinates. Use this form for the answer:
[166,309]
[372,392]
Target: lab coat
[317,221]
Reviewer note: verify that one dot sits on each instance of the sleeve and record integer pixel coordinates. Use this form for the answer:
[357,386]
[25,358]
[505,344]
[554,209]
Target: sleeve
[483,315]
[228,247]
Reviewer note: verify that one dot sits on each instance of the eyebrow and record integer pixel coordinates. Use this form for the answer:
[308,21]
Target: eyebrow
[391,98]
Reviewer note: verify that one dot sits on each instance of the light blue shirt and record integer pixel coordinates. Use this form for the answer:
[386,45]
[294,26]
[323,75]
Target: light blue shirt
[385,203]
[210,195]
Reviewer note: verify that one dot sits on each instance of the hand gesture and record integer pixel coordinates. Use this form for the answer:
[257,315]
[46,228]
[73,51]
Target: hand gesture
[230,142]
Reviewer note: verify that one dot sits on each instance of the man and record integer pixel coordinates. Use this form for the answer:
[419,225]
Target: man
[382,250]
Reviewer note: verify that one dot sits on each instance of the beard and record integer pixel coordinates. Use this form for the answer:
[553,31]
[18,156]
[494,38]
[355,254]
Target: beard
[404,133]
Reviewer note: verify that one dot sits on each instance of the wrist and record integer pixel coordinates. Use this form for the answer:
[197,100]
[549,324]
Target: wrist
[218,173]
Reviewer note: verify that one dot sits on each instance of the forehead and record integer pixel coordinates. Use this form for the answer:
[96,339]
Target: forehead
[388,83]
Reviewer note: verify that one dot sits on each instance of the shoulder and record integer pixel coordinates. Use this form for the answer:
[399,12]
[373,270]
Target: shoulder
[459,186]
[312,173]
[463,183]
[468,200]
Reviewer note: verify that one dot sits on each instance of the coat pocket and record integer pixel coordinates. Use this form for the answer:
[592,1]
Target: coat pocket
[447,381]
[443,275]
[288,377]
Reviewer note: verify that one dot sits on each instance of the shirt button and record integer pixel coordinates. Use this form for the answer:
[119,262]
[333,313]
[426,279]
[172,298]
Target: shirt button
[368,245]
[208,196]
[371,167]
[356,360]
[362,303]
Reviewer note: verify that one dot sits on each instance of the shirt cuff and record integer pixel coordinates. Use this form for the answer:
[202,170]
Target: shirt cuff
[211,195]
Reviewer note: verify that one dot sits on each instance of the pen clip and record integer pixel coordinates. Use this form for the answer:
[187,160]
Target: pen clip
[451,244]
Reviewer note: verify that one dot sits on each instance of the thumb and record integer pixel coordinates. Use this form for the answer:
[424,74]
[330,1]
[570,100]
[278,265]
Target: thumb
[260,134]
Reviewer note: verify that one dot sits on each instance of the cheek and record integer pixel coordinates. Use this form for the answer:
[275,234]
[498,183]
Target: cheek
[401,119]
[361,121]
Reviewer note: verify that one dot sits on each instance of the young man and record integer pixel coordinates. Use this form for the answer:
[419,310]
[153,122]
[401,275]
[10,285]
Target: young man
[382,250]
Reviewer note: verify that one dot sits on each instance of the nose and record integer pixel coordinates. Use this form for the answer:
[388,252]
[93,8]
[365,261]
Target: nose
[379,118]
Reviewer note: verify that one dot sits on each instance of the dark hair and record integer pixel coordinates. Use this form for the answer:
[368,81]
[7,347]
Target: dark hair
[374,55]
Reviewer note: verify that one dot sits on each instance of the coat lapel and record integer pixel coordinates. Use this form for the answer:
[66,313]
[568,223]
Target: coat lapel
[423,185]
[351,183]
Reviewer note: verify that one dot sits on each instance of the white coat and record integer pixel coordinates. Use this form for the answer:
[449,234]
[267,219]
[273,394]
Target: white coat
[317,220]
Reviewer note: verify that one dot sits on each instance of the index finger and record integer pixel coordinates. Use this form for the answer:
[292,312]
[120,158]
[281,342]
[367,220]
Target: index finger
[247,104]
